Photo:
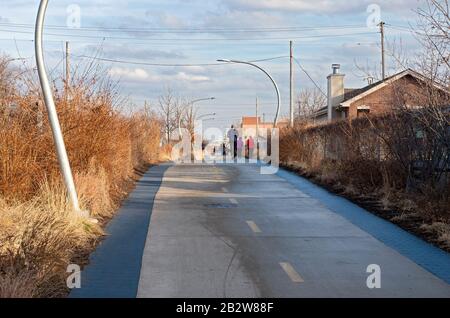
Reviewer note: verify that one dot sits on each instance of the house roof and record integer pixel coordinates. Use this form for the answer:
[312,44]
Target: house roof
[352,95]
[321,111]
[250,120]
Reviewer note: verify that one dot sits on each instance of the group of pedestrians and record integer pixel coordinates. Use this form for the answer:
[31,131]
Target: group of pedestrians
[241,147]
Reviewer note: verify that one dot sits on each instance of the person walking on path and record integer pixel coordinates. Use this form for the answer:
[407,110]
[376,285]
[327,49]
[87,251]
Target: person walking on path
[233,139]
[251,147]
[240,147]
[247,148]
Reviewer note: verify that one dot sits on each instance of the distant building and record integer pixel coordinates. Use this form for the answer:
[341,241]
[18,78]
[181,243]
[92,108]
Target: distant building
[407,88]
[248,123]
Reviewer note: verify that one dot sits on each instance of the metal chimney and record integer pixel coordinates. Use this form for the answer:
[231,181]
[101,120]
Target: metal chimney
[336,68]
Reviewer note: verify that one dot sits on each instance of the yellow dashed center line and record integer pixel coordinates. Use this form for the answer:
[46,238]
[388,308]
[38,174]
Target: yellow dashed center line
[292,273]
[254,227]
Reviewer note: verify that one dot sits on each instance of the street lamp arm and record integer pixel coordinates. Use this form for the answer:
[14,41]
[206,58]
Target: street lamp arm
[191,103]
[272,80]
[201,100]
[206,115]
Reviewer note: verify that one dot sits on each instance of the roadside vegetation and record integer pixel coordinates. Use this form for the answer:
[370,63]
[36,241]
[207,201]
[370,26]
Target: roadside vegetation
[396,165]
[40,235]
[392,165]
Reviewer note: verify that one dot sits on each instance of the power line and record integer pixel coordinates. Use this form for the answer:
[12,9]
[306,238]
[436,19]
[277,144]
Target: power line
[145,63]
[166,44]
[312,80]
[190,39]
[202,64]
[167,65]
[189,29]
[398,27]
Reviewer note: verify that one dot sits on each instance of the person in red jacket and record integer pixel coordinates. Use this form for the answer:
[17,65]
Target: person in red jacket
[251,147]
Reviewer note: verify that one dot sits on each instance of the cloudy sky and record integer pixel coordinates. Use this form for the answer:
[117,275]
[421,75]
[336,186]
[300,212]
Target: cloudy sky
[186,37]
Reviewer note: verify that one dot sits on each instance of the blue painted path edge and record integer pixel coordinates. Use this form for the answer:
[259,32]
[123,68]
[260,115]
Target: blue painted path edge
[115,266]
[422,253]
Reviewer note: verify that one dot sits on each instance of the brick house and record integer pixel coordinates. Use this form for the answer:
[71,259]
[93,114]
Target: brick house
[406,88]
[248,123]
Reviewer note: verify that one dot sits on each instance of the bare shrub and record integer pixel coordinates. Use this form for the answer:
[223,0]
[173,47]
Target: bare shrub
[40,233]
[377,156]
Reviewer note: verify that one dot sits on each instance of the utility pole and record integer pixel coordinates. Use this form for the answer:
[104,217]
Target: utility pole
[383,64]
[291,100]
[257,129]
[67,86]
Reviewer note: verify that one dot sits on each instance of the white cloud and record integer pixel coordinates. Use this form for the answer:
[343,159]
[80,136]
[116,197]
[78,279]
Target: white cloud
[141,75]
[235,18]
[193,69]
[319,6]
[182,76]
[126,51]
[164,19]
[136,74]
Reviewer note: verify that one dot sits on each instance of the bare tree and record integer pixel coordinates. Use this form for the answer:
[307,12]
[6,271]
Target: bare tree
[309,101]
[419,138]
[7,86]
[368,71]
[191,115]
[169,109]
[434,31]
[399,61]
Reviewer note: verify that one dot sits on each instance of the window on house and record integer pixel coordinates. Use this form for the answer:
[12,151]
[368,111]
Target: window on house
[363,111]
[345,113]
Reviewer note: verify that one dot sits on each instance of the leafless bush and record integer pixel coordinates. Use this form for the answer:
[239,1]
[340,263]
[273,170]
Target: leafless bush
[384,154]
[39,232]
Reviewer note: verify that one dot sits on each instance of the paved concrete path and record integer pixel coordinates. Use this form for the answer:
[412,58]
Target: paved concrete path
[114,267]
[228,231]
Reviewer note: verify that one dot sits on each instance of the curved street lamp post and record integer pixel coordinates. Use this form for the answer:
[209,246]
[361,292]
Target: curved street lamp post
[52,114]
[270,77]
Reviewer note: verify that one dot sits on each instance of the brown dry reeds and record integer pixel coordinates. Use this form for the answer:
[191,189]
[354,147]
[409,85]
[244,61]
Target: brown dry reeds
[39,233]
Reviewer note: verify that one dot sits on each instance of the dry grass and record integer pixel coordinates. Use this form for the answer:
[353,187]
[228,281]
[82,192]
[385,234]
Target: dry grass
[94,191]
[443,230]
[39,232]
[39,238]
[369,160]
